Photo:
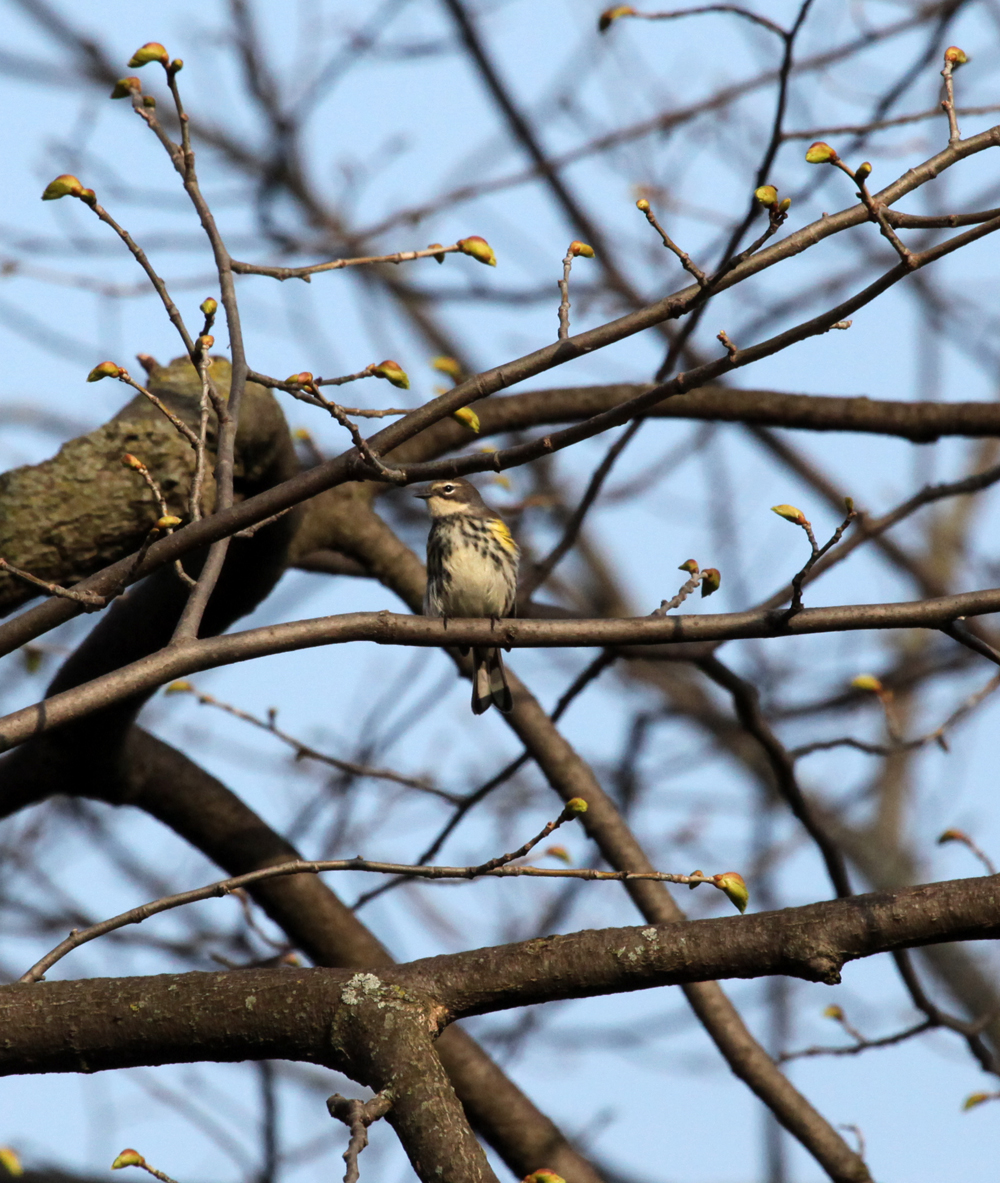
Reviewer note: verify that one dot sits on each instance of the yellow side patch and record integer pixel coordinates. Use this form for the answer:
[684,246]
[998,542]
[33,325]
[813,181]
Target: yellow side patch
[500,532]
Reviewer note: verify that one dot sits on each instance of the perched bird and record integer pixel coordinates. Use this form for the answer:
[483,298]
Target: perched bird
[471,571]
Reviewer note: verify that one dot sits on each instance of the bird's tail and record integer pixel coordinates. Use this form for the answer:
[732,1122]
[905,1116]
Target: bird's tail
[489,682]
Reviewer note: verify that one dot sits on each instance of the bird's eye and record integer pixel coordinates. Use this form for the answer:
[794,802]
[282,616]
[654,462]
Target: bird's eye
[448,489]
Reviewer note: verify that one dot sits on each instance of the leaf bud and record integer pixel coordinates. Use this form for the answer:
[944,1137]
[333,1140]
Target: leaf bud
[785,206]
[107,369]
[303,379]
[849,504]
[181,686]
[128,1158]
[467,417]
[447,365]
[176,65]
[833,1012]
[167,522]
[867,682]
[610,15]
[478,248]
[149,101]
[863,172]
[767,195]
[10,1162]
[956,56]
[691,567]
[63,186]
[710,581]
[88,196]
[790,514]
[643,205]
[952,836]
[581,248]
[697,879]
[543,1176]
[205,342]
[130,461]
[561,853]
[210,306]
[302,435]
[125,87]
[392,372]
[820,153]
[431,246]
[974,1099]
[732,884]
[152,51]
[576,805]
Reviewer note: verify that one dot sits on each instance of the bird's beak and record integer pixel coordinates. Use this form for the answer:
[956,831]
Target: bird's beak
[423,494]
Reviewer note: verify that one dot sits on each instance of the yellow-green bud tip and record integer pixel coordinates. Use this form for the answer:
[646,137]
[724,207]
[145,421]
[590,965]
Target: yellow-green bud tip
[179,687]
[785,206]
[392,372]
[974,1099]
[130,461]
[63,186]
[447,365]
[302,379]
[643,205]
[691,567]
[952,836]
[10,1162]
[576,805]
[128,1158]
[167,522]
[790,514]
[833,1012]
[867,682]
[956,56]
[863,171]
[467,417]
[107,369]
[608,18]
[581,248]
[152,51]
[478,248]
[767,195]
[209,307]
[820,153]
[561,853]
[543,1176]
[732,884]
[126,86]
[710,581]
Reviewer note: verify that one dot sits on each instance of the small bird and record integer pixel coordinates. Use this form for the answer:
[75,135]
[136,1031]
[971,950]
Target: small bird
[471,571]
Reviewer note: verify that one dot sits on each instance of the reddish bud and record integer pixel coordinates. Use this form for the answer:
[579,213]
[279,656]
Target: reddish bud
[561,853]
[125,87]
[392,372]
[732,884]
[691,567]
[131,461]
[107,369]
[63,186]
[478,248]
[820,153]
[467,417]
[581,248]
[956,56]
[152,51]
[303,379]
[710,581]
[205,342]
[128,1158]
[697,879]
[952,836]
[610,15]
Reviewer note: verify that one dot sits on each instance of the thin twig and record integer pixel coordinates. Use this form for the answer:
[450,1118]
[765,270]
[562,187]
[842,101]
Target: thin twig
[89,601]
[283,273]
[358,1116]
